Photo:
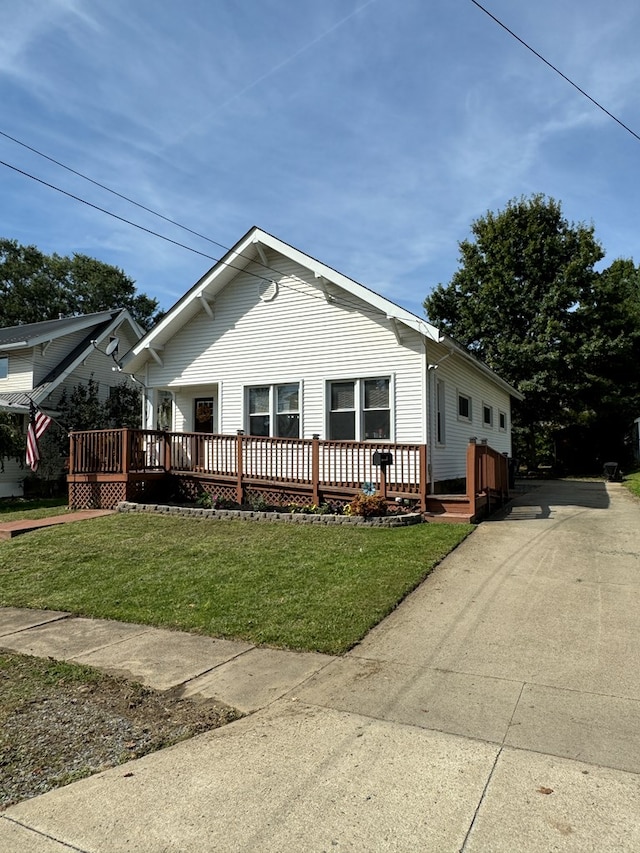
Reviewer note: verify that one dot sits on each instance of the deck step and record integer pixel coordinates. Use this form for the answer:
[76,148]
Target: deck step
[448,517]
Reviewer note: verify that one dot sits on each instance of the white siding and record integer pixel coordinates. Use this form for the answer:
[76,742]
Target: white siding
[46,358]
[11,479]
[20,371]
[460,376]
[298,336]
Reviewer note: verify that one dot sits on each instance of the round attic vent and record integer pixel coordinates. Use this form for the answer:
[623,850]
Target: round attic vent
[267,289]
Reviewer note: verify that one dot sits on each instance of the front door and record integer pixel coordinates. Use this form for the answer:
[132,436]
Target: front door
[204,414]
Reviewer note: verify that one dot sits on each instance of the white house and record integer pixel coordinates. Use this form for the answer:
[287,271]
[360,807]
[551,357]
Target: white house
[39,360]
[276,343]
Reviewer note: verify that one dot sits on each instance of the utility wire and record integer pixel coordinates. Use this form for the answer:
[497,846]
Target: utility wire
[336,300]
[557,70]
[110,190]
[104,210]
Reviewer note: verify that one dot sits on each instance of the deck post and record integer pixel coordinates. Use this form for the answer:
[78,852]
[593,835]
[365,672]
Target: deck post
[472,489]
[315,469]
[125,454]
[239,468]
[423,474]
[167,453]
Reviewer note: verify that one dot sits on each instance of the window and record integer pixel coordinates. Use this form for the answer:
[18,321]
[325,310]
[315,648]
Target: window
[277,405]
[4,367]
[502,421]
[360,410]
[487,415]
[464,407]
[440,403]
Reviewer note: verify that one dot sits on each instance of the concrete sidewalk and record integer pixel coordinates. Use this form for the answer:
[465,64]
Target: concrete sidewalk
[497,709]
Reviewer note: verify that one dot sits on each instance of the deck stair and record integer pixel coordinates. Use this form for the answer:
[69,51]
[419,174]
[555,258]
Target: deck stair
[449,509]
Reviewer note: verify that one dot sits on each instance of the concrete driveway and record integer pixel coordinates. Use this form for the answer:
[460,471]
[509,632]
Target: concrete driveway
[497,709]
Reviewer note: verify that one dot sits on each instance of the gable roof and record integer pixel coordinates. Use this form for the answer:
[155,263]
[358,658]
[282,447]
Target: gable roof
[250,250]
[97,327]
[32,334]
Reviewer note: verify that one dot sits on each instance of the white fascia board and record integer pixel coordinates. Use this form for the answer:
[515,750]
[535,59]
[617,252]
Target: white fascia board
[15,345]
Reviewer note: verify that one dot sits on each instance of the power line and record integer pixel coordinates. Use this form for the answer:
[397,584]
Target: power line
[104,210]
[557,70]
[110,190]
[336,300]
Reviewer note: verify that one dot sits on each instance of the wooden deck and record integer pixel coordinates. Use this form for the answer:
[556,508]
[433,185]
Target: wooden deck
[109,466]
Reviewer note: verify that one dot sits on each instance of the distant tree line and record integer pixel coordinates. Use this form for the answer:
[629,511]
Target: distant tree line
[36,287]
[527,300]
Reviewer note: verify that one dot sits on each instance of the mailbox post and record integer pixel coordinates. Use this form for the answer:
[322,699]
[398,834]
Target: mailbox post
[383,459]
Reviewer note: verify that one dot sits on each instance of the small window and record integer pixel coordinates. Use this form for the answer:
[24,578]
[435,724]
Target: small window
[464,407]
[440,404]
[487,415]
[4,367]
[502,421]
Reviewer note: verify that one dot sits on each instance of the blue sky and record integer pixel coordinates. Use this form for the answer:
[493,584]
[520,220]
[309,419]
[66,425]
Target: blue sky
[366,133]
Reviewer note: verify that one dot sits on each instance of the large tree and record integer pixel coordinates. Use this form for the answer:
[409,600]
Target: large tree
[513,302]
[35,287]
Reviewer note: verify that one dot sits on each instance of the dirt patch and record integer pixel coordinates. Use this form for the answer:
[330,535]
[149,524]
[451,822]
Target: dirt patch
[61,722]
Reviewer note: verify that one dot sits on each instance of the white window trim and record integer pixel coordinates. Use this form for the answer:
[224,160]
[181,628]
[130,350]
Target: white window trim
[469,398]
[359,401]
[488,424]
[502,414]
[4,359]
[273,403]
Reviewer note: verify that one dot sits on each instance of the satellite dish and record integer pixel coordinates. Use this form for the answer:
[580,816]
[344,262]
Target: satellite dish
[112,346]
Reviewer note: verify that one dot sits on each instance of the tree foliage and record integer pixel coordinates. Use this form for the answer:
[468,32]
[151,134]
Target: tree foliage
[527,300]
[36,287]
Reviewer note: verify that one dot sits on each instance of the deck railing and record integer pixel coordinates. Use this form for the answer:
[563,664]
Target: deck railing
[319,466]
[487,474]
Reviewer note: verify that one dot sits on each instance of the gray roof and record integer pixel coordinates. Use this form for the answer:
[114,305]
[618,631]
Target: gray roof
[30,334]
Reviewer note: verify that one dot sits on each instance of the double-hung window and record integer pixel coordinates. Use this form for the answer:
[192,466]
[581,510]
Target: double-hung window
[359,409]
[274,410]
[487,415]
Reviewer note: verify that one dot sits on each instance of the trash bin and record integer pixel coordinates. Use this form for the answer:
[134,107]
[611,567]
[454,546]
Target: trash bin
[513,470]
[611,471]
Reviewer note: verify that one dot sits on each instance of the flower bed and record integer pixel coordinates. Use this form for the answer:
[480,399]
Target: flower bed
[396,520]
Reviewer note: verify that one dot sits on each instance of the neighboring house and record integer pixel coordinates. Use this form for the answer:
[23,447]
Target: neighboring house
[276,343]
[39,360]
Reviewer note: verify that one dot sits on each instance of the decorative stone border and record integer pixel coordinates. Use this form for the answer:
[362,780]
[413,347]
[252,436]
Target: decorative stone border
[289,517]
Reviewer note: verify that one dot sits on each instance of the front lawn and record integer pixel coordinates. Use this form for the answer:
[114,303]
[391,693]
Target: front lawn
[296,586]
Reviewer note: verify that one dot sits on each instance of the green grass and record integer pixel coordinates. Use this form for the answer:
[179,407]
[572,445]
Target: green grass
[296,586]
[632,482]
[16,509]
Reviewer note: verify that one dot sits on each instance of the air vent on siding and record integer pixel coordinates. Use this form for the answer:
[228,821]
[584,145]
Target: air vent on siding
[267,289]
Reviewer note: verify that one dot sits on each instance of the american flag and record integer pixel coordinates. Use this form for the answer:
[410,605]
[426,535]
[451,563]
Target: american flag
[38,422]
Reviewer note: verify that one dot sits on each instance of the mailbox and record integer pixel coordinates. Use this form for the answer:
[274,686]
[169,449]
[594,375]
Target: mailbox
[382,458]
